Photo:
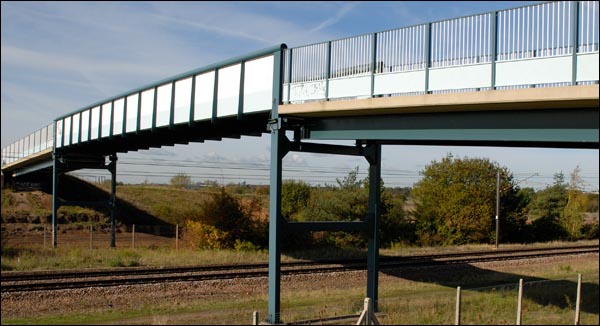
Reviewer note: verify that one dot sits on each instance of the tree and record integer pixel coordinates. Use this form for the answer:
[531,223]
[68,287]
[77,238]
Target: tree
[456,202]
[294,198]
[181,180]
[348,201]
[546,208]
[572,216]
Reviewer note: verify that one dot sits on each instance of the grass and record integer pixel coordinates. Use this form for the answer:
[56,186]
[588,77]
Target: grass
[28,258]
[488,296]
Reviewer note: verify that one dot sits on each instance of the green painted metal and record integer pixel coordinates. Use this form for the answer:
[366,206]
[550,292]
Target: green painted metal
[112,168]
[373,61]
[482,135]
[557,127]
[494,43]
[278,151]
[373,213]
[574,38]
[208,68]
[215,97]
[55,203]
[112,119]
[139,113]
[350,226]
[427,56]
[172,107]
[327,71]
[154,109]
[240,113]
[289,74]
[192,101]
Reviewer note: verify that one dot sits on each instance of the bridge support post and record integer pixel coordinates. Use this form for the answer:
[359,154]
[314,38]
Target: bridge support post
[374,159]
[278,151]
[112,167]
[55,200]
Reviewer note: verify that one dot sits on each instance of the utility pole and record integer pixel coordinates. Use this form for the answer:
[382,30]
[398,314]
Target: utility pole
[497,206]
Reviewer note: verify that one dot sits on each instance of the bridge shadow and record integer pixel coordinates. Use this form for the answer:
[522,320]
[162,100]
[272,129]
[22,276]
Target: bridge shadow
[560,293]
[75,189]
[546,292]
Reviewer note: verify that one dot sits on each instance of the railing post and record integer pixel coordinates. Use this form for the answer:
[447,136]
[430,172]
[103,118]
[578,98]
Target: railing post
[289,88]
[327,71]
[427,56]
[574,38]
[494,45]
[373,62]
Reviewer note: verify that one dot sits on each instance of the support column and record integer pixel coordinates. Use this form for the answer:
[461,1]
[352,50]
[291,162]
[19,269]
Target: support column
[112,167]
[275,221]
[55,200]
[374,158]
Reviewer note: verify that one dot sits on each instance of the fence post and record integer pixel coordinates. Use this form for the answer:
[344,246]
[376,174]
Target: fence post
[519,301]
[457,319]
[578,300]
[91,237]
[255,318]
[133,236]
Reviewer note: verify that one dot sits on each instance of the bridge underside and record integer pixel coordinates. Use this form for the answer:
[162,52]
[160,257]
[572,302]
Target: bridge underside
[564,117]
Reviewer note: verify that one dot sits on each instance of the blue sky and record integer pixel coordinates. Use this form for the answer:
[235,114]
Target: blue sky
[57,57]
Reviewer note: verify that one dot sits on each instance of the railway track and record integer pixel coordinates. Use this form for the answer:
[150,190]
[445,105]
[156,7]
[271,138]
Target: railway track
[56,280]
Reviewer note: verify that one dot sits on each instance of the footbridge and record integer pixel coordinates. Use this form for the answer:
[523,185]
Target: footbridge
[524,76]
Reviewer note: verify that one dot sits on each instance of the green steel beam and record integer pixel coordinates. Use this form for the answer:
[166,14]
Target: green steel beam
[548,128]
[349,226]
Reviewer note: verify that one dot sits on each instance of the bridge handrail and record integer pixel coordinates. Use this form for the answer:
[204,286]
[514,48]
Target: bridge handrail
[550,29]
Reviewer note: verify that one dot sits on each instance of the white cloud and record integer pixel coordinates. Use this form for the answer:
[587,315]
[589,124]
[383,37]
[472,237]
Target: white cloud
[343,11]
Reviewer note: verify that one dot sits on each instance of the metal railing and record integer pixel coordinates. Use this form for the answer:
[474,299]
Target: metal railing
[546,30]
[33,143]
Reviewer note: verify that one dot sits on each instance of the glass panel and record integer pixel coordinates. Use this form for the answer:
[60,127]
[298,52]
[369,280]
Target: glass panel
[26,146]
[183,93]
[106,116]
[85,125]
[147,109]
[132,112]
[21,151]
[75,128]
[258,84]
[118,112]
[59,133]
[32,143]
[163,105]
[203,97]
[67,140]
[229,90]
[95,124]
[44,139]
[36,141]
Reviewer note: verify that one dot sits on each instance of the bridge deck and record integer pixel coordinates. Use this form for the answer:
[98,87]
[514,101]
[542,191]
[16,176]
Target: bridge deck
[585,96]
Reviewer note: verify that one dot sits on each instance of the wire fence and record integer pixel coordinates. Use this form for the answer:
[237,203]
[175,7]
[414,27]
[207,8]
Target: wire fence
[95,236]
